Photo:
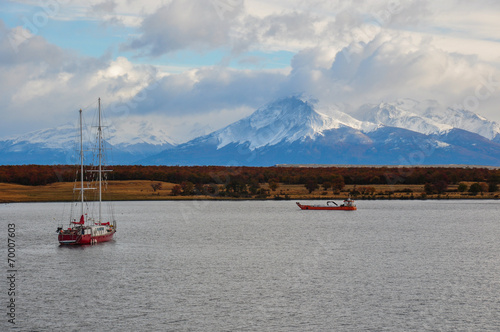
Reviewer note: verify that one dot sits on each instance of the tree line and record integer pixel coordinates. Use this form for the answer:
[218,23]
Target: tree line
[235,178]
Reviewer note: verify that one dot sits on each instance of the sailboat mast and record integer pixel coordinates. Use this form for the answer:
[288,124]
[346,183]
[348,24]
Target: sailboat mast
[100,160]
[81,163]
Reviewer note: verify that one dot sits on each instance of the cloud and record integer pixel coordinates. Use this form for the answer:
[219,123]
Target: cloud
[107,6]
[239,27]
[396,65]
[345,52]
[42,83]
[389,66]
[208,89]
[196,24]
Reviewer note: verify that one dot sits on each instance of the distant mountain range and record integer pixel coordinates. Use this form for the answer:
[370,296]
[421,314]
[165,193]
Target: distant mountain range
[293,131]
[125,142]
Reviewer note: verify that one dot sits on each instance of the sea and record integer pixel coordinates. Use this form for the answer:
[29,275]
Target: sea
[419,265]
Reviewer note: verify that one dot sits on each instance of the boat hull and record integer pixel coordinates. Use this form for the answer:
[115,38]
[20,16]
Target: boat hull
[79,239]
[320,207]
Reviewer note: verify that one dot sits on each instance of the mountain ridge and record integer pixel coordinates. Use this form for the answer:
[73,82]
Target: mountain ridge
[318,138]
[291,130]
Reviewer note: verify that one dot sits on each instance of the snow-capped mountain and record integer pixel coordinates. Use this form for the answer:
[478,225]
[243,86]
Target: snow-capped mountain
[289,131]
[51,138]
[428,117]
[394,115]
[127,142]
[466,120]
[292,131]
[289,120]
[286,120]
[128,133]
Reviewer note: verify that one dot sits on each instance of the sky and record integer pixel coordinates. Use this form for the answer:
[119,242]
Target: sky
[194,66]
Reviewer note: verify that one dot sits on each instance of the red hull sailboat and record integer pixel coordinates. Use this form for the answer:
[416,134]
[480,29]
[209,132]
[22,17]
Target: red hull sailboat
[88,230]
[91,234]
[347,206]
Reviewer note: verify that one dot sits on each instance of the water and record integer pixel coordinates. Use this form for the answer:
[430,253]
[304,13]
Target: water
[261,266]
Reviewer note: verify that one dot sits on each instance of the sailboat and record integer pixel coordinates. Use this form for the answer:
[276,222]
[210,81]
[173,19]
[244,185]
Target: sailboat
[88,230]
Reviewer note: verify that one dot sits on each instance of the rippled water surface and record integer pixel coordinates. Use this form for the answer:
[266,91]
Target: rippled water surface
[261,266]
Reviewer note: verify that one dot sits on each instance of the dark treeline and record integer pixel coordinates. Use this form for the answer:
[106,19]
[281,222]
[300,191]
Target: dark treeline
[41,175]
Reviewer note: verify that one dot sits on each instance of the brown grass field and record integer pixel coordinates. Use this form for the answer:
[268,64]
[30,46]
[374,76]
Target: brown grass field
[142,190]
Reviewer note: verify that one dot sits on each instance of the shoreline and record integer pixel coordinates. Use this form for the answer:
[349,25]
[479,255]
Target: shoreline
[472,198]
[263,200]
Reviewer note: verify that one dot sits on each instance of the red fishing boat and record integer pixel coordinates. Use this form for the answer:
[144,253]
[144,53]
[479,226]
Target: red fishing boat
[347,206]
[88,230]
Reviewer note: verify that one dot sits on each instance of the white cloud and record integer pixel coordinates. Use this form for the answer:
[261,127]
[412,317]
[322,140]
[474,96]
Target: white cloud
[207,90]
[182,24]
[42,83]
[398,65]
[392,65]
[345,52]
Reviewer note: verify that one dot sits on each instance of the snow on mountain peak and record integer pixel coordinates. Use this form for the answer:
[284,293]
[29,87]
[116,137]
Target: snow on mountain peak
[63,135]
[293,119]
[137,132]
[393,115]
[287,119]
[466,120]
[428,117]
[123,133]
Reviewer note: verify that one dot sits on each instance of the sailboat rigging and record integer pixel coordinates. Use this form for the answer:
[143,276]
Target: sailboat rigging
[88,230]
